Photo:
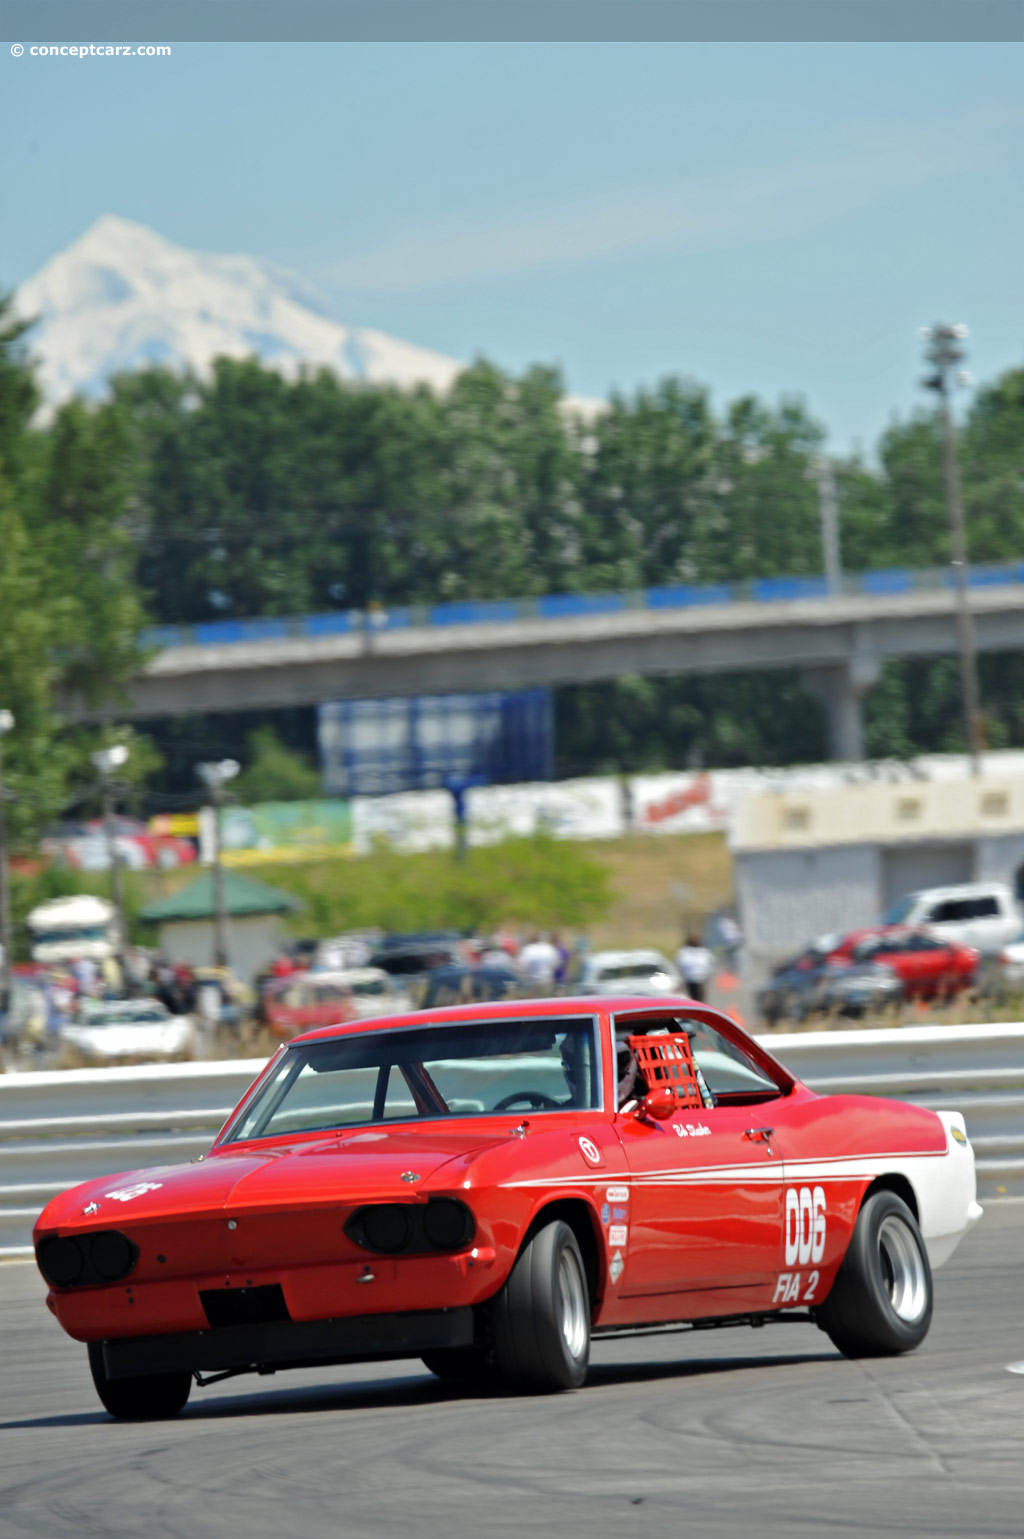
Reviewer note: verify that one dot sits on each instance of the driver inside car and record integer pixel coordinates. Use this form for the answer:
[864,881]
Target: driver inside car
[632,1085]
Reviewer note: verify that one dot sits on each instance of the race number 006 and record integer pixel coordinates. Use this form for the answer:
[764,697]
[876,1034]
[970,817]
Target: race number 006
[805,1225]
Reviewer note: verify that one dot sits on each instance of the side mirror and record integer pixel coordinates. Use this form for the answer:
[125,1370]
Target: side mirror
[657,1105]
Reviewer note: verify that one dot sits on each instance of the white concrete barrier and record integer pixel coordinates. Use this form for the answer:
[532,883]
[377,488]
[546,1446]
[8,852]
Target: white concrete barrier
[58,1128]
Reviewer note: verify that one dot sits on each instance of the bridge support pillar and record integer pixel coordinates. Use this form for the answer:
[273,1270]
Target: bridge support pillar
[840,688]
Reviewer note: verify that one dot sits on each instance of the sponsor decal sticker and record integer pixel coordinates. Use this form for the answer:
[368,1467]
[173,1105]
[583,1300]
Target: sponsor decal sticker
[616,1267]
[961,1138]
[126,1193]
[606,1214]
[618,1234]
[590,1152]
[617,1194]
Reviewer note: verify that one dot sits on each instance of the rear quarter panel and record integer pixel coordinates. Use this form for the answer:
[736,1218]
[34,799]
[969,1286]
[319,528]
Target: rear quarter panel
[847,1143]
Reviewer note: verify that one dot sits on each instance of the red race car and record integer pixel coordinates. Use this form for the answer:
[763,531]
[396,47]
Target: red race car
[927,966]
[489,1187]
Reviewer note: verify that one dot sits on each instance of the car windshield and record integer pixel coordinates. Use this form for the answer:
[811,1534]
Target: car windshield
[899,911]
[464,1069]
[146,1015]
[632,970]
[71,935]
[371,987]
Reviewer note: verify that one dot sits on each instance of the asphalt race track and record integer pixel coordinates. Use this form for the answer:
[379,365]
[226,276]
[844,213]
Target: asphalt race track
[724,1433]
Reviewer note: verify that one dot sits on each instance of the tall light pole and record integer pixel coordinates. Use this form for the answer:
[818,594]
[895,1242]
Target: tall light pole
[943,353]
[6,723]
[215,776]
[107,760]
[829,511]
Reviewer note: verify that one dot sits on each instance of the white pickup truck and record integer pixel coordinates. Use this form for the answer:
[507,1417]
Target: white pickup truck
[981,914]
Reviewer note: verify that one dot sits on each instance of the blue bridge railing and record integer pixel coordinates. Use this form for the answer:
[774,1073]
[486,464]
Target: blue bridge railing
[551,606]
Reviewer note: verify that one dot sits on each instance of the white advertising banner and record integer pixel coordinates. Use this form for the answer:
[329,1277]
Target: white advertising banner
[674,802]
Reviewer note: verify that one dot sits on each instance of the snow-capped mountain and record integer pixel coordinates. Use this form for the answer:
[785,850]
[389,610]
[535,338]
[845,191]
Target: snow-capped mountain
[121,296]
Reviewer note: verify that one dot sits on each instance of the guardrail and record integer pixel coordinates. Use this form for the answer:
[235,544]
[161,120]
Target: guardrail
[58,1128]
[551,606]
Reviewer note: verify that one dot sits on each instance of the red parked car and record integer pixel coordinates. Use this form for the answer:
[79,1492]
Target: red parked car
[489,1187]
[305,1000]
[927,967]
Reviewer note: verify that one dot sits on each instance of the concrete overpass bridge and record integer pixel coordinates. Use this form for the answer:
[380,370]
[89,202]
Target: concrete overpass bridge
[836,639]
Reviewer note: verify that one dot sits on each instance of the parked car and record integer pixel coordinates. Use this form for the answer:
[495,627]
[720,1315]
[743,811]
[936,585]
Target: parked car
[371,991]
[126,1031]
[980,914]
[463,985]
[305,1000]
[410,960]
[487,1188]
[809,985]
[628,972]
[927,967]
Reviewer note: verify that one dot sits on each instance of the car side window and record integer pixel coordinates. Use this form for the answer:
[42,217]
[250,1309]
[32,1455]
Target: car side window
[729,1072]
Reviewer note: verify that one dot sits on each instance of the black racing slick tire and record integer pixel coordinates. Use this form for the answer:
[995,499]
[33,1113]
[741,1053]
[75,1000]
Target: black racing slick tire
[151,1397]
[460,1365]
[881,1301]
[541,1318]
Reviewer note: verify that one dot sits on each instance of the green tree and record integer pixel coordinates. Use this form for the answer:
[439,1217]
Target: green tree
[273,773]
[69,608]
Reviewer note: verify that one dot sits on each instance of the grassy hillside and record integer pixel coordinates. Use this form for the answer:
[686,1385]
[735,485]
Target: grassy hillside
[635,891]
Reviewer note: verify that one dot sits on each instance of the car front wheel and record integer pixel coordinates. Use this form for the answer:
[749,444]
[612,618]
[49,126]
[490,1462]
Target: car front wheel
[150,1397]
[881,1300]
[541,1318]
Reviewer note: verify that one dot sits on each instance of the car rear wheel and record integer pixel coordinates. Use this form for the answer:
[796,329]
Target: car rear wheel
[541,1318]
[150,1397]
[881,1300]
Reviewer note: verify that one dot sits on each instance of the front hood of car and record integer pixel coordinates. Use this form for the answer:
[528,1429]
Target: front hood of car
[107,1044]
[362,1165]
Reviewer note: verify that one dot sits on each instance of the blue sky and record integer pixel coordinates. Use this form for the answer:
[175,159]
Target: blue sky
[767,218]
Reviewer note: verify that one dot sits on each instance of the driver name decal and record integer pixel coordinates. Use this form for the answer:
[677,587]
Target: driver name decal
[691,1129]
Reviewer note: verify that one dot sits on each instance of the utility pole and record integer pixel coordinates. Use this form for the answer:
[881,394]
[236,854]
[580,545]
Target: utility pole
[943,353]
[107,760]
[829,508]
[214,776]
[6,723]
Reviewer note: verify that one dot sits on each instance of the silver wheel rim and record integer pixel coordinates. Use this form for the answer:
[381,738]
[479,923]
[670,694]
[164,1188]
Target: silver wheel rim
[574,1304]
[903,1269]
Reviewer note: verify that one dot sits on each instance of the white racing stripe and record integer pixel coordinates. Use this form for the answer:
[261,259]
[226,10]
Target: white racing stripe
[842,1168]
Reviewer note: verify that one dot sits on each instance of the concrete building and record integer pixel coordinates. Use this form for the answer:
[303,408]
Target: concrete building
[254,911]
[812,862]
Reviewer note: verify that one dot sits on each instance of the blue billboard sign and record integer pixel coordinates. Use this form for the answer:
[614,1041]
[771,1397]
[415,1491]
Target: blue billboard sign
[374,747]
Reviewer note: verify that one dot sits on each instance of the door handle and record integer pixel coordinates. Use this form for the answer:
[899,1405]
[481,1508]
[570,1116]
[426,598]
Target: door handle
[761,1136]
